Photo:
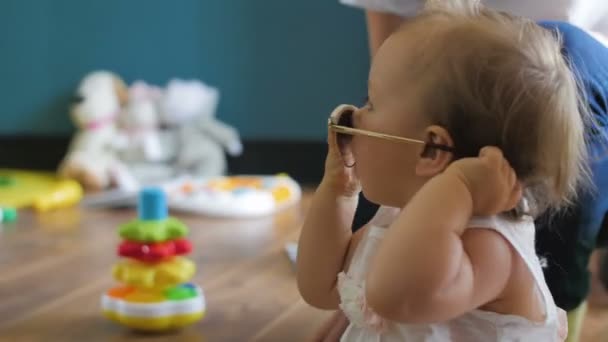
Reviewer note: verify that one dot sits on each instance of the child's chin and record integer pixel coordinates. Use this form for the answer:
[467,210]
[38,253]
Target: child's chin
[372,196]
[381,198]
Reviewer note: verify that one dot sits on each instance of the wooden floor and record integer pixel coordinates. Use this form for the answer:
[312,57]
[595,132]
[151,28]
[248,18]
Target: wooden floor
[55,266]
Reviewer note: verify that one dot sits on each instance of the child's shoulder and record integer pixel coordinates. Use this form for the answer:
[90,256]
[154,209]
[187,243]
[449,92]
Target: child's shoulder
[516,233]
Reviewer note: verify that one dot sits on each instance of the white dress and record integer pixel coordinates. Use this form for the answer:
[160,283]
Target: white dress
[474,326]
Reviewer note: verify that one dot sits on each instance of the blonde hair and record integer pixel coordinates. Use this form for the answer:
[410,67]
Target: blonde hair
[501,80]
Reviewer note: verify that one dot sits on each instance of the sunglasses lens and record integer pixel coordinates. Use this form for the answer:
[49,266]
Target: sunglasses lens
[345,119]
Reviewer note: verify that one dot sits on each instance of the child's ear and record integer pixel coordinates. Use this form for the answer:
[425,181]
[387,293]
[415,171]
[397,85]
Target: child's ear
[432,161]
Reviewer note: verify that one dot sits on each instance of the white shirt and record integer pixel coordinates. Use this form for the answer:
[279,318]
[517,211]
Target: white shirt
[591,15]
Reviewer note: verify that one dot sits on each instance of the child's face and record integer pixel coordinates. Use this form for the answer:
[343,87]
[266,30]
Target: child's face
[387,170]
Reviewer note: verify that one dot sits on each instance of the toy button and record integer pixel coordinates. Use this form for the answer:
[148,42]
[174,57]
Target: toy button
[144,296]
[180,293]
[269,183]
[241,191]
[8,214]
[120,292]
[6,181]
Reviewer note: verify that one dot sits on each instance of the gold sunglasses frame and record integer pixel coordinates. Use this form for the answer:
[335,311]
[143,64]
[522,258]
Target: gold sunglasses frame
[356,131]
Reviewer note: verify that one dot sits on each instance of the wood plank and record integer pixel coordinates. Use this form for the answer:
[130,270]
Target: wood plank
[299,322]
[235,258]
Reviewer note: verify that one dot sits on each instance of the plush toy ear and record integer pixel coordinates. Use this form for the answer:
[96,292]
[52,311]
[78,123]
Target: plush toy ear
[433,161]
[122,92]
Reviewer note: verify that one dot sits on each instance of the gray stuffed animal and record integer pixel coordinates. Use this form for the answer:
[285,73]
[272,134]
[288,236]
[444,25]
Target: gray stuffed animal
[189,106]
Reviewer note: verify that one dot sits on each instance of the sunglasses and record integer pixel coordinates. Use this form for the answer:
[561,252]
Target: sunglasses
[341,122]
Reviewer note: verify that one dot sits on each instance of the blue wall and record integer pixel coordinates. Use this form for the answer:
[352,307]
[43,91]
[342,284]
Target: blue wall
[280,65]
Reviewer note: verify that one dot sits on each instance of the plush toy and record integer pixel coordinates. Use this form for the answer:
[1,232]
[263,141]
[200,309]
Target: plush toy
[139,124]
[92,156]
[189,107]
[146,153]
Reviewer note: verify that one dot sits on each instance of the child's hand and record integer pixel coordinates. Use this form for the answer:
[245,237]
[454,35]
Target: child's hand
[338,177]
[491,181]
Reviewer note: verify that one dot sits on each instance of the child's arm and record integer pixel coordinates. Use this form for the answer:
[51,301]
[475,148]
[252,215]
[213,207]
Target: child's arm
[428,268]
[323,245]
[326,233]
[336,324]
[329,289]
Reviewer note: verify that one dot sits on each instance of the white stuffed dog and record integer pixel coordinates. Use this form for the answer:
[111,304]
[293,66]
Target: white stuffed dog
[92,156]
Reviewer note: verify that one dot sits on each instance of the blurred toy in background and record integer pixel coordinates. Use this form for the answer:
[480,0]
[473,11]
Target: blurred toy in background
[145,135]
[8,214]
[233,196]
[146,152]
[155,294]
[92,156]
[189,107]
[140,124]
[42,191]
[66,193]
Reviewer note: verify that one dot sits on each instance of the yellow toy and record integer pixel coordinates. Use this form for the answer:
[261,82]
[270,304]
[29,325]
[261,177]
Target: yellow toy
[41,190]
[155,296]
[153,275]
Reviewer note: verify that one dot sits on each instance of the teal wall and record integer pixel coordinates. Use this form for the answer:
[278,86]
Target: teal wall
[280,65]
